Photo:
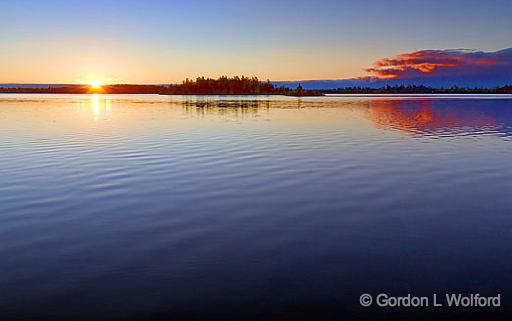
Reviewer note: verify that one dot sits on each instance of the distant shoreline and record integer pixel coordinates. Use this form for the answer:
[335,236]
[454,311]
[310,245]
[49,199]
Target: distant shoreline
[239,86]
[107,93]
[200,86]
[322,95]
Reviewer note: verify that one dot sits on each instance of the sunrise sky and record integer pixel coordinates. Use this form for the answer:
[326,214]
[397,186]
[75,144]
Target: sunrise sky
[166,41]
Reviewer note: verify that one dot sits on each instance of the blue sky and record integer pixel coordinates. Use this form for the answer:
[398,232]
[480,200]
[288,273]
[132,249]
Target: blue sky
[166,41]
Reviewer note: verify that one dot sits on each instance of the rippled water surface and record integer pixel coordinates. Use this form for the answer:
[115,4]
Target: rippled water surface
[140,207]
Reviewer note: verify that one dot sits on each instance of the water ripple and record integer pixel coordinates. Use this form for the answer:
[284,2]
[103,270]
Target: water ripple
[152,199]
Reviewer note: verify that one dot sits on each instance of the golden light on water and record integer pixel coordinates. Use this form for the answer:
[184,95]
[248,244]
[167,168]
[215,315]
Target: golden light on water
[100,105]
[95,106]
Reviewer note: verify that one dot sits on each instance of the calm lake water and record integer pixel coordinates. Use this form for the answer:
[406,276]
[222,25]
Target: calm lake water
[236,208]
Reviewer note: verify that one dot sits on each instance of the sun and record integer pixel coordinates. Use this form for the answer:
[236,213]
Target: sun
[96,84]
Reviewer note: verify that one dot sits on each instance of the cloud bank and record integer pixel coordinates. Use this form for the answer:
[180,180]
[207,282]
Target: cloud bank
[435,68]
[447,66]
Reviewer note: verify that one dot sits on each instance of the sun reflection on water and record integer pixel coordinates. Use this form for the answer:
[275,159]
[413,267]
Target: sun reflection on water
[96,106]
[100,105]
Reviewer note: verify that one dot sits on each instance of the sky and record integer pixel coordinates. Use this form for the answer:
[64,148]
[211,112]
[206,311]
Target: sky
[152,41]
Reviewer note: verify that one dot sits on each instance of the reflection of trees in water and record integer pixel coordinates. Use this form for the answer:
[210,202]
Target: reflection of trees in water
[230,108]
[220,103]
[212,110]
[214,105]
[435,116]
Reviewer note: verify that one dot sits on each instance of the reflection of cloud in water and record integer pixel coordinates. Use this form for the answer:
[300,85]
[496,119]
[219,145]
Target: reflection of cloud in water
[443,117]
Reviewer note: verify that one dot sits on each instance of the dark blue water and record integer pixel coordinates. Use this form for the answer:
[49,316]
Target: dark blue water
[260,208]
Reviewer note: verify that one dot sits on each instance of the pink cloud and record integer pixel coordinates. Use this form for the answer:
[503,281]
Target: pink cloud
[458,62]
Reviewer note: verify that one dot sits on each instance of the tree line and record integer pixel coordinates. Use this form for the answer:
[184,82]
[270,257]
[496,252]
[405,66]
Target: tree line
[246,86]
[235,86]
[414,89]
